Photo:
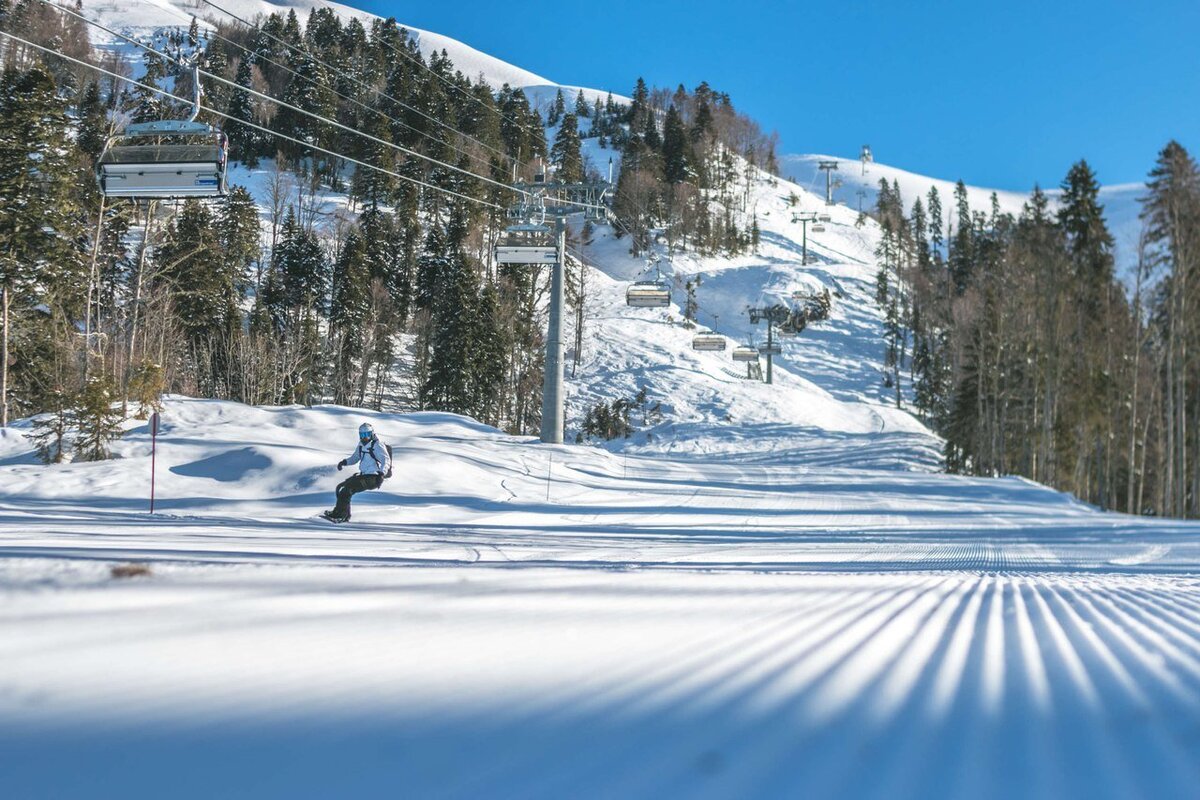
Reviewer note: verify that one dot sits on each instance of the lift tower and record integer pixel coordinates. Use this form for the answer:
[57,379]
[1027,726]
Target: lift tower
[805,218]
[828,167]
[560,201]
[773,315]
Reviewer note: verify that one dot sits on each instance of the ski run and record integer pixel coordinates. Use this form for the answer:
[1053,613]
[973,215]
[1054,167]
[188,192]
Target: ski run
[766,591]
[509,619]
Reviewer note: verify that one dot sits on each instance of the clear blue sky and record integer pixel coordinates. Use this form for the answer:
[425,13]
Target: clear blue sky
[999,94]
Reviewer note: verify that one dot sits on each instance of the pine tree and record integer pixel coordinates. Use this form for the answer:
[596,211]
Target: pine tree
[93,122]
[372,186]
[566,154]
[190,265]
[432,263]
[936,223]
[449,386]
[41,234]
[40,217]
[1082,219]
[582,110]
[240,236]
[962,248]
[675,148]
[489,357]
[919,228]
[310,91]
[98,419]
[639,109]
[148,105]
[1171,214]
[557,109]
[146,386]
[50,430]
[348,313]
[245,143]
[702,117]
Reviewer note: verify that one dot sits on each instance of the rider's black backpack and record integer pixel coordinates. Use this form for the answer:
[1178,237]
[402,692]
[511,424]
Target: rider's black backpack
[388,447]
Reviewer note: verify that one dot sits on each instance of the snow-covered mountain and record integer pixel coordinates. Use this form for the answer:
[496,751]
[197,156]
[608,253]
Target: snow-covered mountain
[131,16]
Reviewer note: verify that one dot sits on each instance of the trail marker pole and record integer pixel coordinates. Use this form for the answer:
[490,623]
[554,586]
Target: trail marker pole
[549,468]
[153,455]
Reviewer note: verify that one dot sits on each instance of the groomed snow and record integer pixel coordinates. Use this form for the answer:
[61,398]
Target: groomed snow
[508,619]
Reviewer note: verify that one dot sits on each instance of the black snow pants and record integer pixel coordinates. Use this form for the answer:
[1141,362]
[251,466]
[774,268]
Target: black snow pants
[352,486]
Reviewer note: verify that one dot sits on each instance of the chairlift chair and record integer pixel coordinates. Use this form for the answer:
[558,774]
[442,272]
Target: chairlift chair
[527,243]
[772,349]
[168,159]
[745,352]
[818,228]
[648,294]
[708,342]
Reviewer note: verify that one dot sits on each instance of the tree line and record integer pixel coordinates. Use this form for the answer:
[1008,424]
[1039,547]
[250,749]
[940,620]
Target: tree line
[1030,354]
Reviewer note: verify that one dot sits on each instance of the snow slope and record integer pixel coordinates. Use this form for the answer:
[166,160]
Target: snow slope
[827,404]
[1121,201]
[507,619]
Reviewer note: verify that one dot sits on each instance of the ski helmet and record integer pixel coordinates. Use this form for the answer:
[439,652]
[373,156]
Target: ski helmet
[365,431]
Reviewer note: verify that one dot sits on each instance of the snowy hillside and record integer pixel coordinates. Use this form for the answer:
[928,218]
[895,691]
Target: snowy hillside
[140,16]
[828,390]
[1121,206]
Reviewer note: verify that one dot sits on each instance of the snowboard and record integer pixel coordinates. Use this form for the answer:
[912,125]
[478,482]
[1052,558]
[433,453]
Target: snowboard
[329,516]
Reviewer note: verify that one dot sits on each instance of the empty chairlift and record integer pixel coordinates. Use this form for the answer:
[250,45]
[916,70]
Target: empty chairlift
[648,294]
[527,243]
[708,342]
[169,159]
[745,353]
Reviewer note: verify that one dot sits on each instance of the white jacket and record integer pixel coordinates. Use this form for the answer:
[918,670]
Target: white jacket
[374,458]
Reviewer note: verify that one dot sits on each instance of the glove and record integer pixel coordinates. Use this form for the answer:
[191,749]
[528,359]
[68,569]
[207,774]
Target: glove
[341,464]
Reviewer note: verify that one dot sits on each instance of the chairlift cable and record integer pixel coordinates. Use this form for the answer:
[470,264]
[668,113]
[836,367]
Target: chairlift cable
[369,88]
[256,93]
[214,33]
[255,126]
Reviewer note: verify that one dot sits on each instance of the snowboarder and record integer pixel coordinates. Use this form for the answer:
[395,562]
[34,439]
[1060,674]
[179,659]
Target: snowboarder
[375,458]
